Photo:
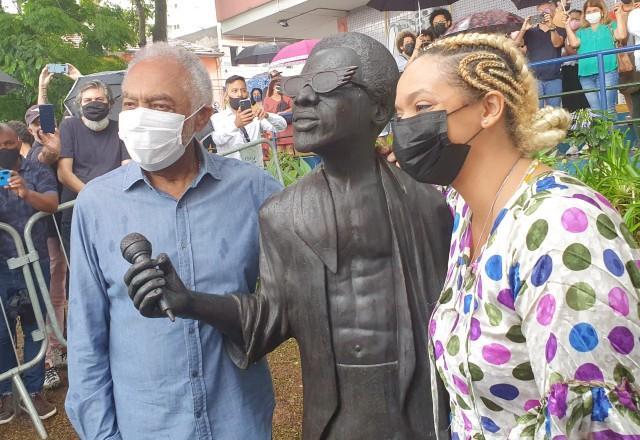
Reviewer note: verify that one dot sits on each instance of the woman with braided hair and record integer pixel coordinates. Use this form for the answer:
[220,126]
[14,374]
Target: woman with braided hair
[536,333]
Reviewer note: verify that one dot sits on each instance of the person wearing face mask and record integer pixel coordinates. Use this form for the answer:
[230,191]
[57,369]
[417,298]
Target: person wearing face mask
[90,146]
[536,331]
[440,21]
[544,41]
[570,80]
[406,44]
[31,188]
[597,33]
[234,127]
[134,378]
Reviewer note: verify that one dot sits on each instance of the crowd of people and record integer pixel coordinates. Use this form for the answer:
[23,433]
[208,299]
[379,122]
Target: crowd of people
[548,267]
[557,31]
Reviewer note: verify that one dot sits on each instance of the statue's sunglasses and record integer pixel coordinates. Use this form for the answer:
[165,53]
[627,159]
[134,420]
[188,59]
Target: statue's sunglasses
[321,82]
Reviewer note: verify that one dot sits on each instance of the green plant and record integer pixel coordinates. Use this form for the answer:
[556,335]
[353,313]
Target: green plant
[606,162]
[293,168]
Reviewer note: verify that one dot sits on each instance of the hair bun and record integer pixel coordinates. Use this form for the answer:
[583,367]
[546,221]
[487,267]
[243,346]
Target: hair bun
[548,128]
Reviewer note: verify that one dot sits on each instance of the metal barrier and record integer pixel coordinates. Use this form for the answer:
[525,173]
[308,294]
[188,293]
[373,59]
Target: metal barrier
[602,86]
[23,260]
[27,260]
[272,146]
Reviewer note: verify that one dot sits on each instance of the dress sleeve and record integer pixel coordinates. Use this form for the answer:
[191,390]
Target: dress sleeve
[577,272]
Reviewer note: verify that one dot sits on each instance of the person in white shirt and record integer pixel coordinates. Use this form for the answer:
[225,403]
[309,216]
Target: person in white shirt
[233,127]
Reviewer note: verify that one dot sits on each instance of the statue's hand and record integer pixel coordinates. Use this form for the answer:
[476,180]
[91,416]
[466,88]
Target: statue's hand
[151,280]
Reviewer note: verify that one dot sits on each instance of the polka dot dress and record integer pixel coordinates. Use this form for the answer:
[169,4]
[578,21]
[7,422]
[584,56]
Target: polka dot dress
[540,338]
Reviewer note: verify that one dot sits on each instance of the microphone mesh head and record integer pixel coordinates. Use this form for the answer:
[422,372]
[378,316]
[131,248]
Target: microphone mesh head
[133,245]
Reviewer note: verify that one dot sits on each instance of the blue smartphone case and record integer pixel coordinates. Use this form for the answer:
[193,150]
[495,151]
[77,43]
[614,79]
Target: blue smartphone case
[4,178]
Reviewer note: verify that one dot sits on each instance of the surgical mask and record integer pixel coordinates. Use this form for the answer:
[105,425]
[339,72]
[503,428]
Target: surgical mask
[423,148]
[408,49]
[234,103]
[95,110]
[440,29]
[153,138]
[593,17]
[8,158]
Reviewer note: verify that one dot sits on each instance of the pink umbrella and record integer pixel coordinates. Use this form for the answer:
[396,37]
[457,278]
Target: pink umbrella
[294,53]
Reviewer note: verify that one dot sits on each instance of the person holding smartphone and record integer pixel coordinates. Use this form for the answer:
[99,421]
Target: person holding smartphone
[30,188]
[239,123]
[544,41]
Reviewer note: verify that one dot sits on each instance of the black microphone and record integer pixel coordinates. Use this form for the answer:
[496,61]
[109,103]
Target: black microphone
[135,248]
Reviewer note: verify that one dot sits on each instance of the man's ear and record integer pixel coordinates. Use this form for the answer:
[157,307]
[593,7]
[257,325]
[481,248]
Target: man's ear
[201,118]
[379,115]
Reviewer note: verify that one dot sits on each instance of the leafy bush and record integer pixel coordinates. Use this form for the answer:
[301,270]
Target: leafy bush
[293,168]
[606,162]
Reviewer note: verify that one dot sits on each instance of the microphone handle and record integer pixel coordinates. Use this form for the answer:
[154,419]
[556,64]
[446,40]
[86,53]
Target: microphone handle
[163,302]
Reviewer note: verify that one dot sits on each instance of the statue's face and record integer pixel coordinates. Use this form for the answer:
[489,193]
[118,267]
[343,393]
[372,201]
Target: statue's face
[325,121]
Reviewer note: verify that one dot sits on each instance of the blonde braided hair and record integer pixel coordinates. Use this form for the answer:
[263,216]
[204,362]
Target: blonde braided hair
[483,63]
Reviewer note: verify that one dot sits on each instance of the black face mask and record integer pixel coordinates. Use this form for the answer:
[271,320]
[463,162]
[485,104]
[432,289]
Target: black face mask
[408,49]
[440,29]
[423,149]
[234,103]
[95,110]
[8,158]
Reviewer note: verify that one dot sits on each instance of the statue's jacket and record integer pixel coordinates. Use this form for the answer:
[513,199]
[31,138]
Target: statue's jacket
[298,240]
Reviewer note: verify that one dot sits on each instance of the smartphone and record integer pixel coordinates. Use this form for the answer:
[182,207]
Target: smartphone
[47,118]
[537,19]
[245,104]
[58,68]
[4,177]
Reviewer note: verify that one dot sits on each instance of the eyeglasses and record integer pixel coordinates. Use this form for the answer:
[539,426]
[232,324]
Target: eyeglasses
[321,82]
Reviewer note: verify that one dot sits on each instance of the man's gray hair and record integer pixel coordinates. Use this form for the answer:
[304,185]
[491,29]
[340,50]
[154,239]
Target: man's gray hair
[199,86]
[95,84]
[6,127]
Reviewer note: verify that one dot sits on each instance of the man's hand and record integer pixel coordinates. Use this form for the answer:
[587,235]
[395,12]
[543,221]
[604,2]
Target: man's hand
[527,24]
[73,72]
[260,113]
[51,140]
[150,281]
[45,78]
[244,118]
[18,185]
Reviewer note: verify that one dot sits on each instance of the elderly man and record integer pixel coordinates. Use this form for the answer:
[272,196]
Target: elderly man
[132,378]
[31,188]
[353,257]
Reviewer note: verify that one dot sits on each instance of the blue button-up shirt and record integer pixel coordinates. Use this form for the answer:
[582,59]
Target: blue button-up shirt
[16,212]
[135,378]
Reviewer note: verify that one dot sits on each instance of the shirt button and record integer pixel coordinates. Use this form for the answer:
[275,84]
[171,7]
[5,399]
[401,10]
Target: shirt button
[183,245]
[194,374]
[192,330]
[198,414]
[357,349]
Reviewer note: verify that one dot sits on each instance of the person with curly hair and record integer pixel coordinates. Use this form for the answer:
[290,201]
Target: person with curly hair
[536,331]
[406,44]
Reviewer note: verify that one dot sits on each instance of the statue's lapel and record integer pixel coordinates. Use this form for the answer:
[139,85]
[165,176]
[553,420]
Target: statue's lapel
[315,218]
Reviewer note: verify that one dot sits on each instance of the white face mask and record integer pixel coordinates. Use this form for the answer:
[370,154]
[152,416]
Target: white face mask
[593,17]
[153,138]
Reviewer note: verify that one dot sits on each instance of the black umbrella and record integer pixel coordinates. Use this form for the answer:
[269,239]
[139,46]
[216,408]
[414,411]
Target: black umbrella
[259,53]
[407,5]
[521,4]
[112,79]
[8,84]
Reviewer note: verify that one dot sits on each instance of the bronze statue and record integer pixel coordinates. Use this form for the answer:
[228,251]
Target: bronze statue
[353,258]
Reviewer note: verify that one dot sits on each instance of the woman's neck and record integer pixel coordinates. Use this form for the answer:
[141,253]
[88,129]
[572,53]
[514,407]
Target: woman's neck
[491,175]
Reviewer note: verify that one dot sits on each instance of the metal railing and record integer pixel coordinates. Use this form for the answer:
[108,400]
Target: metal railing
[28,260]
[272,146]
[602,86]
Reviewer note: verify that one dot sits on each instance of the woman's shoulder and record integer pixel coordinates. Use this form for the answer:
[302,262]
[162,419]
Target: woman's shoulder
[563,206]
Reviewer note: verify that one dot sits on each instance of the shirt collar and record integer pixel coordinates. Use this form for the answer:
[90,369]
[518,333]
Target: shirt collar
[208,165]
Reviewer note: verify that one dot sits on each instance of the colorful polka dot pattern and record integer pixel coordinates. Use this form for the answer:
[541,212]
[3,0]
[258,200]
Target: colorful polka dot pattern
[547,324]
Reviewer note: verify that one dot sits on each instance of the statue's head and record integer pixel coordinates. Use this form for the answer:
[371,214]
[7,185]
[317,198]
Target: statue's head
[345,92]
